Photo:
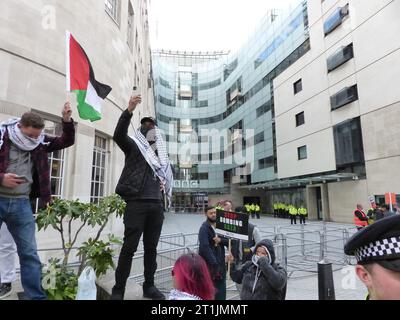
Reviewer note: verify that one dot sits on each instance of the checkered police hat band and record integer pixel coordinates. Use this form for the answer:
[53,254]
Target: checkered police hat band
[378,249]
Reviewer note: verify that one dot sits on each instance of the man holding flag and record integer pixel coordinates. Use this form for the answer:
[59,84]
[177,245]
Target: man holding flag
[24,176]
[146,176]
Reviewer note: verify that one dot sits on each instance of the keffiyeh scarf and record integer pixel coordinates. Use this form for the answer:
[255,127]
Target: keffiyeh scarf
[160,164]
[22,142]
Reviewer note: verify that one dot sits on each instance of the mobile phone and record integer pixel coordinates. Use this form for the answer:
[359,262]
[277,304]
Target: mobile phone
[24,178]
[136,91]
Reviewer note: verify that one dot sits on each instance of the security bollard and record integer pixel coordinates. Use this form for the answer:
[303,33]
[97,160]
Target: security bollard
[326,288]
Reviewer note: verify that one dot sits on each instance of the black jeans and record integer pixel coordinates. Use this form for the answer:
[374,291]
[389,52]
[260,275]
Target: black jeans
[302,219]
[141,217]
[293,219]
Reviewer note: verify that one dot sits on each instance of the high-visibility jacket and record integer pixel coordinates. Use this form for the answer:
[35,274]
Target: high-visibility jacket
[257,208]
[357,221]
[252,207]
[302,211]
[293,210]
[247,207]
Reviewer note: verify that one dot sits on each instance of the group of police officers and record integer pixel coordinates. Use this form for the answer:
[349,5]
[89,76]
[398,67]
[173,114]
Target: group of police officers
[253,209]
[282,210]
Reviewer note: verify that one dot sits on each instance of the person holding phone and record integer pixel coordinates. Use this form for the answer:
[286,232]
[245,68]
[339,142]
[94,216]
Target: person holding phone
[25,176]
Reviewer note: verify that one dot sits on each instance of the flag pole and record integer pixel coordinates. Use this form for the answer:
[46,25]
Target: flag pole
[229,260]
[67,65]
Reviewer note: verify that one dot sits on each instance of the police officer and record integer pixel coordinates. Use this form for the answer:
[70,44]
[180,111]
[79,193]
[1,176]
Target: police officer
[302,212]
[247,207]
[377,250]
[293,214]
[252,210]
[286,210]
[257,210]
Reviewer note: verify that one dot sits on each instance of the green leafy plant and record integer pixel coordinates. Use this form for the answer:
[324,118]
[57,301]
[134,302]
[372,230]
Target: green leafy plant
[98,255]
[60,283]
[61,215]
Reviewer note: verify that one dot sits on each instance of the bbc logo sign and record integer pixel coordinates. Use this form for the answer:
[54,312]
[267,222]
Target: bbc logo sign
[186,184]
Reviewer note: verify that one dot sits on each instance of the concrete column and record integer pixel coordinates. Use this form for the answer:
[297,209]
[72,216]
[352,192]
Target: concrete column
[325,202]
[312,203]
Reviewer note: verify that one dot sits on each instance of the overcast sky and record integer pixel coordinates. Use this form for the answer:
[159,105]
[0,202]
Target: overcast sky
[206,25]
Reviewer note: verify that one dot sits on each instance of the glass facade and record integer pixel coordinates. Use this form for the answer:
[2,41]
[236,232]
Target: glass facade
[200,96]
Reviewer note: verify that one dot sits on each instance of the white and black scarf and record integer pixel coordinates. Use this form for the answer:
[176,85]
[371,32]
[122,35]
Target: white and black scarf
[159,163]
[22,142]
[180,295]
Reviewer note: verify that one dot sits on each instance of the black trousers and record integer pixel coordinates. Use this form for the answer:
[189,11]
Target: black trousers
[293,219]
[141,217]
[302,219]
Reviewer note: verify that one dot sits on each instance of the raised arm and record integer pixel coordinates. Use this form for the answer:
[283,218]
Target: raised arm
[67,138]
[121,131]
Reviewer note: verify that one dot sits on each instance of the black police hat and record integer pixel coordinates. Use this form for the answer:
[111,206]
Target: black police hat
[379,242]
[148,119]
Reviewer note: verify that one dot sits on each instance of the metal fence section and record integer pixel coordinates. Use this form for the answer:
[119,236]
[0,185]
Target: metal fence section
[298,249]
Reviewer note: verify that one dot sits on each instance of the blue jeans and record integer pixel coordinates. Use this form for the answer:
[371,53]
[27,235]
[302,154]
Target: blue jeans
[17,215]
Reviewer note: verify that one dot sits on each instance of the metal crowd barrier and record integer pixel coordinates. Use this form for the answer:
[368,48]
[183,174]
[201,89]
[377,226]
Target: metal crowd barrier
[187,210]
[297,248]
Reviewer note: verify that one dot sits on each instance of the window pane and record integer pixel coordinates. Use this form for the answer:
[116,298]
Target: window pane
[99,169]
[302,153]
[300,119]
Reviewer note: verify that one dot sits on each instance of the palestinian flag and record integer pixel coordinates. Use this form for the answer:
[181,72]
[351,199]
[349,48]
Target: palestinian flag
[80,79]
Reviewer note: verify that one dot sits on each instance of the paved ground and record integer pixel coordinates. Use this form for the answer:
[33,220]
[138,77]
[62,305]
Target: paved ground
[302,285]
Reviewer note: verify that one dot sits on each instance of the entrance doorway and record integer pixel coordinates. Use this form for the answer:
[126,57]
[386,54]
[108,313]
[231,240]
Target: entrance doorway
[251,200]
[190,202]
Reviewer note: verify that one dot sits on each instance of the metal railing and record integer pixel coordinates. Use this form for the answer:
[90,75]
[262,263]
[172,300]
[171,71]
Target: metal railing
[297,248]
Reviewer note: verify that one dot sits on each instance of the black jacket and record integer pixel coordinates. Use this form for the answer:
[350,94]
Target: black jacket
[245,246]
[214,255]
[269,278]
[131,182]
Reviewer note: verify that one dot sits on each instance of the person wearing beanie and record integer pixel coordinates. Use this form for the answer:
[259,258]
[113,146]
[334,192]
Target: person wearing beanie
[261,278]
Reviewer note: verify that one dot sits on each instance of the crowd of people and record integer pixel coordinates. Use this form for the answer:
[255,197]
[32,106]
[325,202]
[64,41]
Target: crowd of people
[286,211]
[259,277]
[375,213]
[145,185]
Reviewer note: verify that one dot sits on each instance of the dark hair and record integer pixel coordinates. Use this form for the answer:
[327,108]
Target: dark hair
[30,119]
[240,209]
[208,208]
[385,206]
